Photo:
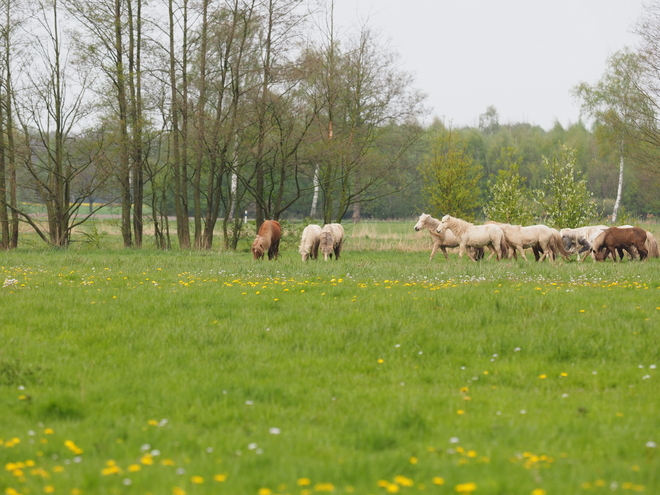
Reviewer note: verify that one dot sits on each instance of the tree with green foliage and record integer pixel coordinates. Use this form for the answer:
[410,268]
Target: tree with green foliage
[565,200]
[450,177]
[510,200]
[614,103]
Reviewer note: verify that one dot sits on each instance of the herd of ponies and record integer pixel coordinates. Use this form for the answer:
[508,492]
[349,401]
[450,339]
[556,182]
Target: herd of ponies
[328,239]
[501,239]
[506,241]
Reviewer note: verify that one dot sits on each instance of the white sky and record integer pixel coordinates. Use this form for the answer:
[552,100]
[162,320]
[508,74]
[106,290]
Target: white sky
[521,56]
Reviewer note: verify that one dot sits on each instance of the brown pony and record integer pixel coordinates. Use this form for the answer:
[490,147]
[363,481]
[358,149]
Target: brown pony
[615,239]
[267,240]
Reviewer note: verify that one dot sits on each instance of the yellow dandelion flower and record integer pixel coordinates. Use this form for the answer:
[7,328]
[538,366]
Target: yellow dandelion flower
[472,453]
[392,488]
[538,491]
[111,470]
[220,477]
[76,491]
[403,481]
[178,491]
[152,422]
[563,375]
[49,489]
[543,377]
[58,469]
[465,487]
[198,480]
[134,468]
[73,447]
[324,487]
[147,459]
[414,460]
[168,462]
[437,480]
[264,491]
[304,482]
[460,411]
[380,361]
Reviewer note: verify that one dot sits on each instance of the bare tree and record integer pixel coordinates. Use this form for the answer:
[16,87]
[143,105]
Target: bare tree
[11,21]
[365,92]
[61,166]
[109,37]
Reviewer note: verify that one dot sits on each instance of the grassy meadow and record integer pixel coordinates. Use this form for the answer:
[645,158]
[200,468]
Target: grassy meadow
[146,372]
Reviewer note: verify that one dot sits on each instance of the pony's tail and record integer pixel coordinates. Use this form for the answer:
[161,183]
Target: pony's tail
[504,246]
[652,246]
[558,246]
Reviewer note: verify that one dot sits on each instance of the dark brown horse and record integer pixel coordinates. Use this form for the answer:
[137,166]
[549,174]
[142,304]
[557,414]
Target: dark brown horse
[615,239]
[267,240]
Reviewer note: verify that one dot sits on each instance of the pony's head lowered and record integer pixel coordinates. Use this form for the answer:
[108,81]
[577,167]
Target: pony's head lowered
[327,245]
[258,248]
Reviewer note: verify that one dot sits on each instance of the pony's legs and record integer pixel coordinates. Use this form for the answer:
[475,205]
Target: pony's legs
[493,252]
[444,251]
[433,251]
[461,249]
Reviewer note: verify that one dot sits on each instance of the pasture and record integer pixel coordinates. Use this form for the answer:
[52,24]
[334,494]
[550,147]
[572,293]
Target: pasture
[144,372]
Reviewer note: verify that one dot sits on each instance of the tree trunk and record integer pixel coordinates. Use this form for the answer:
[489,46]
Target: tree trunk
[619,189]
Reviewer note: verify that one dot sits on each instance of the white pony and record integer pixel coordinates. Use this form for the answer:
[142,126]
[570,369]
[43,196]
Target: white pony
[477,236]
[541,238]
[652,245]
[440,241]
[579,240]
[332,239]
[309,244]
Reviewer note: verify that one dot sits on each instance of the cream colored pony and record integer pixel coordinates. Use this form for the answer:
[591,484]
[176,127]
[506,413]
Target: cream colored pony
[540,238]
[309,244]
[477,236]
[440,241]
[579,240]
[652,245]
[332,240]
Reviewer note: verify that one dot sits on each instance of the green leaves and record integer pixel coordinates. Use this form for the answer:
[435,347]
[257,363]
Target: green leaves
[450,177]
[565,200]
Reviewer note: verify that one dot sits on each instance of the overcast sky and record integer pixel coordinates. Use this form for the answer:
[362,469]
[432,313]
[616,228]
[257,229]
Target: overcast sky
[521,56]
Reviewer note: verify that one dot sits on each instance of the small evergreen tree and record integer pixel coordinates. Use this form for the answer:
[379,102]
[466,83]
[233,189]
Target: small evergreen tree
[565,200]
[450,178]
[510,199]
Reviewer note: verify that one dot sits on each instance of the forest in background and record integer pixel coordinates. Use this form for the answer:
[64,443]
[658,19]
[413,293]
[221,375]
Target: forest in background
[184,115]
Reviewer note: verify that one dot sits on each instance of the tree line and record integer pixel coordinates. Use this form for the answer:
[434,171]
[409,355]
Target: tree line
[198,111]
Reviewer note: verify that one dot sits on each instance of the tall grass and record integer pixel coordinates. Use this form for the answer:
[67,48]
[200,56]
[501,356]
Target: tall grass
[183,372]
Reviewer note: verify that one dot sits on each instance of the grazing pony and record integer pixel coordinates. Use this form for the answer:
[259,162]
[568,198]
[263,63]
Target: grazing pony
[616,239]
[441,241]
[468,234]
[309,244]
[332,239]
[267,240]
[652,245]
[579,240]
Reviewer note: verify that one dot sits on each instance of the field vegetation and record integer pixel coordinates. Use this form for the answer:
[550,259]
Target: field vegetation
[179,372]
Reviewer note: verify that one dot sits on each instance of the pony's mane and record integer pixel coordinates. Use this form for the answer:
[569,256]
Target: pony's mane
[457,225]
[429,222]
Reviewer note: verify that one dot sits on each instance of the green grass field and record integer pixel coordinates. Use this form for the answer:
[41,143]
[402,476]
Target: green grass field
[144,372]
